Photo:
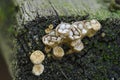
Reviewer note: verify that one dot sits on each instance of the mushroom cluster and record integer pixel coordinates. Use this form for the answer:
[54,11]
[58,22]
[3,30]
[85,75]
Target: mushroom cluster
[70,34]
[37,58]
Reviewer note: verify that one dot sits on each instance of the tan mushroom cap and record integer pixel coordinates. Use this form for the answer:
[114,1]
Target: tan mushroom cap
[51,39]
[37,57]
[50,26]
[38,69]
[58,52]
[77,45]
[95,25]
[47,30]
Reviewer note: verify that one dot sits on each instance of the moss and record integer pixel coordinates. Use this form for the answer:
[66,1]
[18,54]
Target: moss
[114,5]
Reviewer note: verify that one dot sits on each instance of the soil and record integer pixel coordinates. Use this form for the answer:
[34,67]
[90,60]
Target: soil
[99,60]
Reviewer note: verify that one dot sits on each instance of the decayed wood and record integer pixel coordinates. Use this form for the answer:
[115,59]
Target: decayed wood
[29,9]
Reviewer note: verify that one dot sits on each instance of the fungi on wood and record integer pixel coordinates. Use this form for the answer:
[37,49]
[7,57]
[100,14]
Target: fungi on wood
[70,34]
[58,52]
[37,57]
[38,69]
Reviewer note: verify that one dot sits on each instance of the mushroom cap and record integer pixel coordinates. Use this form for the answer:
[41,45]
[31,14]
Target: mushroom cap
[47,40]
[47,30]
[37,57]
[58,52]
[74,33]
[38,69]
[95,25]
[50,26]
[77,45]
[51,39]
[63,29]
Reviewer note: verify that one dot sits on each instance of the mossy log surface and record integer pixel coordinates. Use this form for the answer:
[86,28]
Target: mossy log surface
[99,60]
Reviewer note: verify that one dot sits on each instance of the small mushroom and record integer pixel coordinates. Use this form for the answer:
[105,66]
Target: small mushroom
[38,69]
[47,49]
[47,30]
[37,57]
[51,39]
[63,29]
[50,26]
[95,27]
[74,33]
[80,28]
[77,45]
[58,52]
[47,40]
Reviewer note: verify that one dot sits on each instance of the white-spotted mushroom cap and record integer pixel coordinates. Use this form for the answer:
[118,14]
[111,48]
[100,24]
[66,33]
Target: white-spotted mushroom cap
[37,57]
[74,33]
[95,25]
[77,45]
[81,28]
[58,52]
[51,39]
[63,29]
[38,69]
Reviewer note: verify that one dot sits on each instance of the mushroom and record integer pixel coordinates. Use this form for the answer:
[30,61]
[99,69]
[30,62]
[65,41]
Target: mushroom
[95,26]
[49,29]
[51,39]
[58,52]
[47,49]
[77,45]
[47,40]
[38,69]
[80,28]
[37,57]
[70,35]
[74,33]
[63,29]
[50,26]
